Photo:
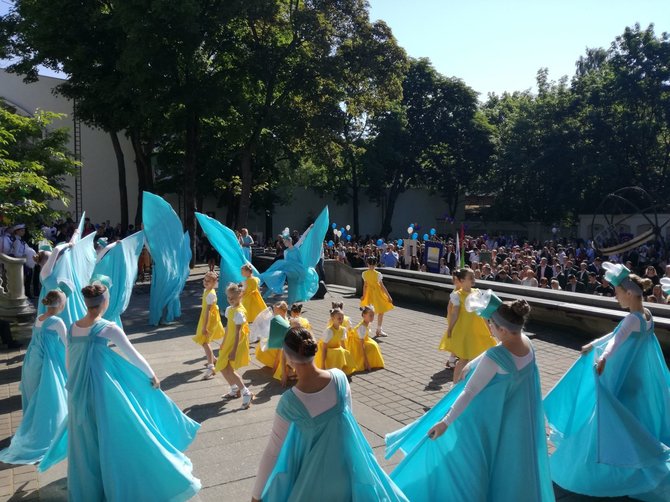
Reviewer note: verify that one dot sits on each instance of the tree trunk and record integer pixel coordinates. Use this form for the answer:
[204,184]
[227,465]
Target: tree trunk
[145,174]
[246,168]
[394,192]
[190,174]
[354,193]
[123,188]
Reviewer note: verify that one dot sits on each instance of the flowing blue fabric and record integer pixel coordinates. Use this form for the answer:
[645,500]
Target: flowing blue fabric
[171,255]
[43,396]
[123,438]
[226,244]
[495,450]
[612,432]
[297,266]
[120,265]
[326,458]
[75,267]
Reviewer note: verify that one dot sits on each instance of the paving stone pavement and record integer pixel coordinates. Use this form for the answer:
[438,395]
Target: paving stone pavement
[230,442]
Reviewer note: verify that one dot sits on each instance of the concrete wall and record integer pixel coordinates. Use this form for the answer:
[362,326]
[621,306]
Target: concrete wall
[100,193]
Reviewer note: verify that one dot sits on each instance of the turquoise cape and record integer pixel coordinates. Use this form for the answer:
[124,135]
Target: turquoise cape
[226,244]
[123,438]
[120,265]
[326,458]
[171,254]
[495,450]
[43,397]
[297,266]
[74,267]
[612,432]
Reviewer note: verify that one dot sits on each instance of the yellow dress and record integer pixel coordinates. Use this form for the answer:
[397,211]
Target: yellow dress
[372,351]
[336,355]
[242,354]
[252,299]
[470,336]
[374,294]
[214,325]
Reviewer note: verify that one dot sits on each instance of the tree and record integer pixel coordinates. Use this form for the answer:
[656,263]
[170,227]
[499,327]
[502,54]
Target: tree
[33,161]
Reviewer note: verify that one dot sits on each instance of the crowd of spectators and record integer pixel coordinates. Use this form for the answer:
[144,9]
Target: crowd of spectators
[566,265]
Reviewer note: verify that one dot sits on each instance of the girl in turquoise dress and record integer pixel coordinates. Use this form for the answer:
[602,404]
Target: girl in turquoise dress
[610,413]
[317,450]
[485,440]
[124,437]
[43,394]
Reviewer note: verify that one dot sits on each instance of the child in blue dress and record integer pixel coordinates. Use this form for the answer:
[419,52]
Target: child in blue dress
[610,413]
[317,450]
[43,394]
[485,440]
[124,437]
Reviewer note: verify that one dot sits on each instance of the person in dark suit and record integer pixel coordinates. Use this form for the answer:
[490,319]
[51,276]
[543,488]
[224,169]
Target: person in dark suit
[593,283]
[596,267]
[450,257]
[583,274]
[574,286]
[605,288]
[560,276]
[544,270]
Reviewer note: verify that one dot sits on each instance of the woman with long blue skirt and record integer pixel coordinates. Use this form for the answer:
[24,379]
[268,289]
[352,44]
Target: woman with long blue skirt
[125,437]
[485,440]
[610,413]
[43,394]
[296,269]
[317,451]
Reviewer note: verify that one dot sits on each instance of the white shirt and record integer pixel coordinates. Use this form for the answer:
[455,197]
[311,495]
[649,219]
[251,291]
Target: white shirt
[328,334]
[239,317]
[362,331]
[455,299]
[316,403]
[485,370]
[49,265]
[58,326]
[210,299]
[630,324]
[116,335]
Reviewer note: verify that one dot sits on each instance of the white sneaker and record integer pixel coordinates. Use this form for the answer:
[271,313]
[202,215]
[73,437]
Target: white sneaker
[209,372]
[381,333]
[233,394]
[246,399]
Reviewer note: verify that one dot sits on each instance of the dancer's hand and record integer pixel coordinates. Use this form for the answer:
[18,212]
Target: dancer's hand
[587,348]
[437,430]
[155,382]
[448,333]
[600,367]
[464,373]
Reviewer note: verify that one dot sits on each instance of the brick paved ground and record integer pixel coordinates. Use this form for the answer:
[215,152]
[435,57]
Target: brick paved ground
[228,447]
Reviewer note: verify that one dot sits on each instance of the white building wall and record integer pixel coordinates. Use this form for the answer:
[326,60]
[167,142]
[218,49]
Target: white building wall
[100,182]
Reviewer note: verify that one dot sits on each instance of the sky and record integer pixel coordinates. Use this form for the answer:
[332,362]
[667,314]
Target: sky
[499,45]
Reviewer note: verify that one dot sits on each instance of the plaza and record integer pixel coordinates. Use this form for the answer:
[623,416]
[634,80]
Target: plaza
[230,442]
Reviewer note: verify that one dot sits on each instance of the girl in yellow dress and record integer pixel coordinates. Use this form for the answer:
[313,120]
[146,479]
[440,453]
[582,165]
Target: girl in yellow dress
[297,321]
[251,298]
[234,352]
[332,352]
[375,294]
[346,323]
[209,325]
[271,357]
[365,352]
[467,334]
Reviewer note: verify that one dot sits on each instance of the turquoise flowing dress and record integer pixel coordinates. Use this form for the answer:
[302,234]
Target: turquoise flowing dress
[124,439]
[43,396]
[326,458]
[612,433]
[226,244]
[171,254]
[297,267]
[495,450]
[120,265]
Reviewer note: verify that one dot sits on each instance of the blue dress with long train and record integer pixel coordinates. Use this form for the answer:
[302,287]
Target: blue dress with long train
[120,265]
[171,254]
[43,396]
[124,439]
[297,266]
[226,244]
[329,446]
[495,450]
[612,432]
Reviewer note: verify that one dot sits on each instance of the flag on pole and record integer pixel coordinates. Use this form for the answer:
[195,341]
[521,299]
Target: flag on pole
[458,252]
[461,252]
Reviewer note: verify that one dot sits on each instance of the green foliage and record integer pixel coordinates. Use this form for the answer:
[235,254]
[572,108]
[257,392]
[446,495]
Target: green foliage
[33,162]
